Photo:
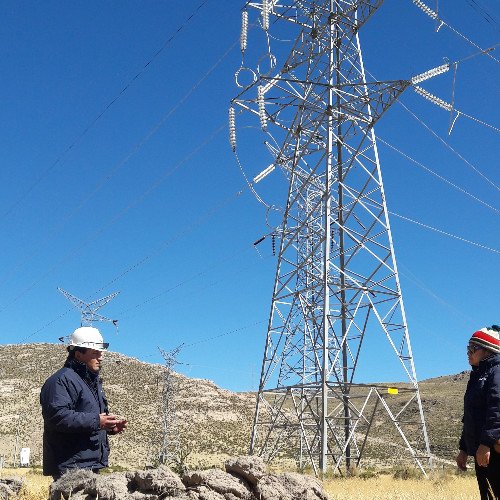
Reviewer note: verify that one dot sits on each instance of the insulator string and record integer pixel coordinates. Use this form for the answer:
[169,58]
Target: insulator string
[244,31]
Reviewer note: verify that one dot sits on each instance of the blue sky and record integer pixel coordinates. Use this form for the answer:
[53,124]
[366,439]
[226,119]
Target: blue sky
[146,198]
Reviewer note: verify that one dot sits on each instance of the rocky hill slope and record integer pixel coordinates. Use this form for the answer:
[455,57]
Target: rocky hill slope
[213,423]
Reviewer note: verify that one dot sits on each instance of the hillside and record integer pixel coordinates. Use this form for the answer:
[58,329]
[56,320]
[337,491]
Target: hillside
[213,422]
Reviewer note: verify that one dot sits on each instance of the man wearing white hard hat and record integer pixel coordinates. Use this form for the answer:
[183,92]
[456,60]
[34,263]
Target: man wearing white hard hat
[75,410]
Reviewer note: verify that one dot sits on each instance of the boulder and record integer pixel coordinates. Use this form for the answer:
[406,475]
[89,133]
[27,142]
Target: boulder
[78,481]
[160,481]
[204,493]
[250,468]
[10,487]
[289,486]
[245,479]
[219,482]
[112,486]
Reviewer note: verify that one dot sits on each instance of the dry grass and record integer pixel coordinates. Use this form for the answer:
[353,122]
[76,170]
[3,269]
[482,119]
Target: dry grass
[36,486]
[387,488]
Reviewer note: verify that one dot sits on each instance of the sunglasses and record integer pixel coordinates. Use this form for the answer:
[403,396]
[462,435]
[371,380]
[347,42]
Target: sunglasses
[471,348]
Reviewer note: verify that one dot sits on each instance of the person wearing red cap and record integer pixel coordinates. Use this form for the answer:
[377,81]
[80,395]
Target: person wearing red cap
[481,421]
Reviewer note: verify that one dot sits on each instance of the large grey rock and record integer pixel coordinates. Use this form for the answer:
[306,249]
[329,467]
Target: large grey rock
[160,481]
[219,482]
[85,485]
[10,487]
[205,493]
[137,495]
[187,495]
[250,468]
[289,486]
[244,480]
[79,481]
[140,485]
[5,491]
[112,487]
[81,495]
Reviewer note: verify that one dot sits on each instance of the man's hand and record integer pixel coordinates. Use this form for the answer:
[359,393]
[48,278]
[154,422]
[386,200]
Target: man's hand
[107,422]
[120,426]
[462,460]
[483,455]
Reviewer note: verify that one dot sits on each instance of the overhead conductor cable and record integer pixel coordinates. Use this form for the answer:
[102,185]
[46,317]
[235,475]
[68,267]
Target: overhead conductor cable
[433,15]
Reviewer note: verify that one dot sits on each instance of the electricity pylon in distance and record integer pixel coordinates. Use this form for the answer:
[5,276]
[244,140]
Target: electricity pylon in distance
[170,446]
[337,317]
[89,309]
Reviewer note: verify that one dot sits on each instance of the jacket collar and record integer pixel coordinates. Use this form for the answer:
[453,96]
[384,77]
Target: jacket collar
[81,369]
[487,363]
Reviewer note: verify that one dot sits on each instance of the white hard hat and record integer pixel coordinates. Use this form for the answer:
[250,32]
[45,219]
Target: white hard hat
[88,336]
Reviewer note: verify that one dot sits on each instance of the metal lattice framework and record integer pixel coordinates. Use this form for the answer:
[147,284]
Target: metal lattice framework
[336,286]
[89,309]
[170,446]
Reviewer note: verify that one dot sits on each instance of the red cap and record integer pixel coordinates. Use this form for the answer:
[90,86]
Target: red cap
[488,338]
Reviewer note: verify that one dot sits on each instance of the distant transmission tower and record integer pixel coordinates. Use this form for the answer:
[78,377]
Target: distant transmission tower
[89,310]
[170,445]
[337,308]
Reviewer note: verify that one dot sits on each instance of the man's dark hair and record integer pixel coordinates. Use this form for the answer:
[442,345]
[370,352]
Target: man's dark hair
[72,349]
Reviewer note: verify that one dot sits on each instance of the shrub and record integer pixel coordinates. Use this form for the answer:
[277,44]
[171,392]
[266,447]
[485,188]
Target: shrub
[407,473]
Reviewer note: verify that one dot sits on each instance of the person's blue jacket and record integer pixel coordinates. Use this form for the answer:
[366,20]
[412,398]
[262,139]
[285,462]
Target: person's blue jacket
[481,421]
[72,399]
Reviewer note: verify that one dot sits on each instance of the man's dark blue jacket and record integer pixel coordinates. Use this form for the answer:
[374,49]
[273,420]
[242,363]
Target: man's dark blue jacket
[72,399]
[482,406]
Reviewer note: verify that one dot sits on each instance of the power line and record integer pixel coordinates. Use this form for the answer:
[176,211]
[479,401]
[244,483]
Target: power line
[487,53]
[158,250]
[180,283]
[225,334]
[46,325]
[150,299]
[114,170]
[420,284]
[164,292]
[442,178]
[203,219]
[82,134]
[434,15]
[497,188]
[445,233]
[437,136]
[120,214]
[483,12]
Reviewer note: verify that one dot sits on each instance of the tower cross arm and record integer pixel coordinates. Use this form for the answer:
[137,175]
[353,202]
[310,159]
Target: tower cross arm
[89,309]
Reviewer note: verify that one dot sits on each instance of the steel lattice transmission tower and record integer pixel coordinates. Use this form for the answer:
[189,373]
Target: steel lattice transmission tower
[337,303]
[170,446]
[89,309]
